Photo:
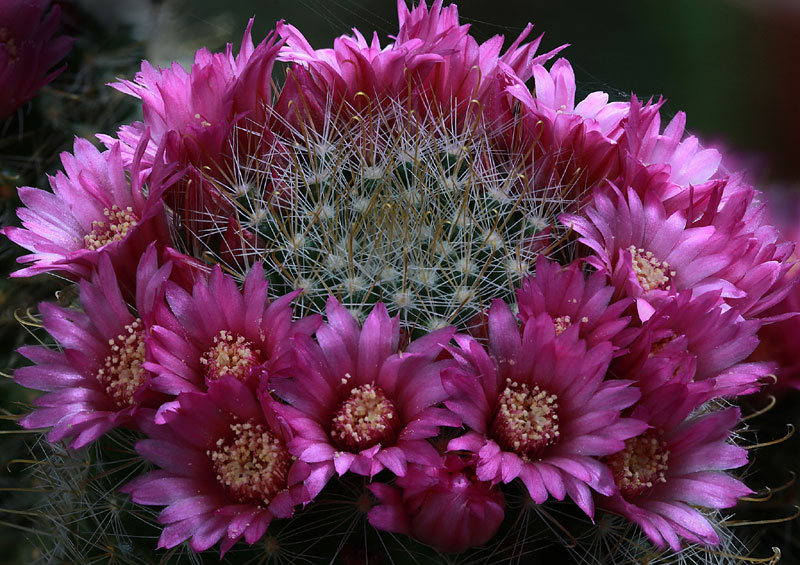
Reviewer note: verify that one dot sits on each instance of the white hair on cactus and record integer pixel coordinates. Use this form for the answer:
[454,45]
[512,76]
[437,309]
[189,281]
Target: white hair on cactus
[437,205]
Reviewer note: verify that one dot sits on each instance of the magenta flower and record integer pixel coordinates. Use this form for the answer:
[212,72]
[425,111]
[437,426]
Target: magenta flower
[572,147]
[192,112]
[686,179]
[219,330]
[366,404]
[98,381]
[28,50]
[570,298]
[537,407]
[778,342]
[683,158]
[764,269]
[93,210]
[225,470]
[715,340]
[554,94]
[666,475]
[190,116]
[443,506]
[433,60]
[648,255]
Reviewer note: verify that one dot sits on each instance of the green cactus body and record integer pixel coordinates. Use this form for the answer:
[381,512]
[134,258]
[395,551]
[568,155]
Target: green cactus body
[434,223]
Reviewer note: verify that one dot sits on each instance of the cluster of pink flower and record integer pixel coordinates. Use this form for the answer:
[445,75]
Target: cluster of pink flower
[603,387]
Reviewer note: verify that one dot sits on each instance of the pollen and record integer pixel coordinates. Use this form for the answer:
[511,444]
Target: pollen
[562,323]
[650,271]
[640,466]
[115,227]
[252,464]
[231,354]
[122,373]
[526,420]
[366,418]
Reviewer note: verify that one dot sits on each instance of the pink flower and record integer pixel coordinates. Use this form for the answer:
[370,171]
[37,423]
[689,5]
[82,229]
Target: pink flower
[648,255]
[686,179]
[778,340]
[439,71]
[554,94]
[569,148]
[225,470]
[97,381]
[366,404]
[568,297]
[28,50]
[445,506]
[664,477]
[219,330]
[715,340]
[433,60]
[192,112]
[93,210]
[537,407]
[190,116]
[764,269]
[686,162]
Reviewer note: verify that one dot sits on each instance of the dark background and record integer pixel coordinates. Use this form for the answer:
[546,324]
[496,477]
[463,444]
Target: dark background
[733,66]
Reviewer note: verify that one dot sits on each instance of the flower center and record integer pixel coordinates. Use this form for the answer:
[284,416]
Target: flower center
[562,323]
[640,466]
[116,226]
[365,419]
[231,354]
[526,420]
[122,373]
[253,464]
[651,273]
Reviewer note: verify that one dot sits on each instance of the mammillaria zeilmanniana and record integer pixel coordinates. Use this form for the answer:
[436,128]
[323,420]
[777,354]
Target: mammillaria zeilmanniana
[460,286]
